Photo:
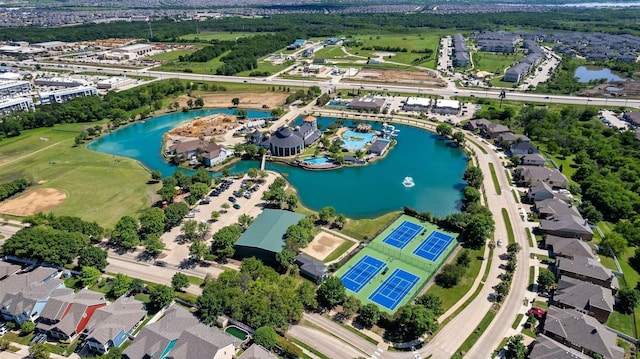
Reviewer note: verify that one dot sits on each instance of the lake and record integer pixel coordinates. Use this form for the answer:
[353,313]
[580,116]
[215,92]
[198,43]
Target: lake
[358,192]
[586,74]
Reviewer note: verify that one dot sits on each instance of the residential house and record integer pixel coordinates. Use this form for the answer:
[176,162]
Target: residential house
[66,313]
[567,226]
[517,72]
[460,51]
[180,335]
[529,175]
[7,269]
[508,138]
[112,325]
[584,297]
[212,154]
[311,268]
[255,351]
[581,332]
[588,270]
[568,247]
[495,130]
[534,159]
[476,125]
[24,295]
[554,208]
[539,191]
[546,348]
[522,148]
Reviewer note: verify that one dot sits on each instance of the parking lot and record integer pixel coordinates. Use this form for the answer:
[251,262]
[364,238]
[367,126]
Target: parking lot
[611,119]
[177,251]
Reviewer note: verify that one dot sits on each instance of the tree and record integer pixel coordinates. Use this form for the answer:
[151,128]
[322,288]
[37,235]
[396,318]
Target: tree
[449,275]
[125,233]
[470,195]
[252,173]
[156,176]
[174,214]
[444,130]
[479,228]
[210,307]
[431,302]
[628,299]
[179,281]
[27,328]
[244,220]
[285,258]
[153,245]
[215,215]
[89,275]
[516,348]
[224,240]
[160,296]
[93,257]
[198,250]
[459,138]
[199,102]
[121,284]
[307,294]
[369,315]
[45,244]
[136,286]
[331,292]
[291,201]
[188,230]
[235,101]
[168,193]
[198,190]
[616,242]
[473,176]
[38,351]
[350,306]
[4,344]
[546,279]
[152,222]
[502,289]
[265,336]
[463,259]
[326,214]
[415,320]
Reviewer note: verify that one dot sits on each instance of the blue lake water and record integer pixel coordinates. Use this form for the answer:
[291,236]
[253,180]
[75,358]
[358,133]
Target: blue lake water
[586,74]
[358,192]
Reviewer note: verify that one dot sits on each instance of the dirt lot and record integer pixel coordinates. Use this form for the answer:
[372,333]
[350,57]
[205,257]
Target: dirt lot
[34,201]
[322,245]
[206,126]
[422,78]
[629,89]
[247,100]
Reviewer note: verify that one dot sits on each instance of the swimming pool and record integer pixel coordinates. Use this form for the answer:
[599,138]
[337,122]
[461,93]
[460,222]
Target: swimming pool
[355,140]
[318,160]
[337,104]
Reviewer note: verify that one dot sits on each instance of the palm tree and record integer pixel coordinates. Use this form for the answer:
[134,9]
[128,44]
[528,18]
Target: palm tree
[225,206]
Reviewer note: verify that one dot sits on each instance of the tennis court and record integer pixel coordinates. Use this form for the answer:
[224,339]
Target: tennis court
[393,290]
[361,273]
[433,246]
[403,234]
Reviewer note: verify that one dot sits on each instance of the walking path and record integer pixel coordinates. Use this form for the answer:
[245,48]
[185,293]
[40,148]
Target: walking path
[28,154]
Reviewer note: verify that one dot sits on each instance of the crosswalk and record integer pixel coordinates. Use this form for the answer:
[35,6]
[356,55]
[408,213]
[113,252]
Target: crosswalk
[379,351]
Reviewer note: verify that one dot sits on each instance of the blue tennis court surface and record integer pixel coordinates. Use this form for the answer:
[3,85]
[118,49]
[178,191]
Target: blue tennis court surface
[403,234]
[361,273]
[393,290]
[433,246]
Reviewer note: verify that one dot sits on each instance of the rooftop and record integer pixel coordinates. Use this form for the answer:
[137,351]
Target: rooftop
[268,229]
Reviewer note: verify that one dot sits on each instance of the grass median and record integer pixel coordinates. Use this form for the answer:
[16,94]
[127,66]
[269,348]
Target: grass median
[494,178]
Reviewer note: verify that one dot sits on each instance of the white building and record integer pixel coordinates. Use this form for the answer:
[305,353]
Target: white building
[419,104]
[114,82]
[446,107]
[50,45]
[58,81]
[65,95]
[138,49]
[12,88]
[16,104]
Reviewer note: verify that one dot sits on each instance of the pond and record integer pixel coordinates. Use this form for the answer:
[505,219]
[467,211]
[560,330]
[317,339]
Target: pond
[588,73]
[358,192]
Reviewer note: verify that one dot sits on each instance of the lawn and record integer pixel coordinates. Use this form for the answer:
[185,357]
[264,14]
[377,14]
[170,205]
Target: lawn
[339,251]
[207,68]
[494,63]
[426,40]
[621,322]
[222,36]
[494,177]
[330,52]
[171,55]
[367,228]
[451,296]
[473,338]
[266,66]
[507,224]
[98,187]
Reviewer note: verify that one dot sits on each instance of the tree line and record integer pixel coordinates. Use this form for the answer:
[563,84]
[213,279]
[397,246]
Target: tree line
[8,189]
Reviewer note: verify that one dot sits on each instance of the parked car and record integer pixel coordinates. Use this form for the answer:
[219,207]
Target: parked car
[247,195]
[537,312]
[232,199]
[236,206]
[237,193]
[545,294]
[190,215]
[500,243]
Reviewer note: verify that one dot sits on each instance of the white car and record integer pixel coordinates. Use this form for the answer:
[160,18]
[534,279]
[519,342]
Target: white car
[500,243]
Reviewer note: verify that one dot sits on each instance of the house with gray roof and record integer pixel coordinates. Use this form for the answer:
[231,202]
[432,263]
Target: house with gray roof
[476,125]
[546,348]
[567,226]
[529,175]
[554,208]
[24,295]
[379,147]
[539,191]
[522,148]
[495,130]
[588,270]
[180,335]
[585,297]
[509,137]
[517,72]
[534,159]
[460,51]
[581,332]
[255,351]
[7,269]
[311,268]
[568,247]
[66,313]
[111,325]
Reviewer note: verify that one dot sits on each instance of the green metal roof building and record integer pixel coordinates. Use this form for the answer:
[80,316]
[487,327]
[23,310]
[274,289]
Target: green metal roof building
[265,237]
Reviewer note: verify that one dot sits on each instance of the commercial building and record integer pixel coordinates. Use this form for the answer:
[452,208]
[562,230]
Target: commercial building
[367,103]
[419,104]
[137,49]
[16,104]
[65,95]
[114,82]
[12,88]
[446,107]
[50,45]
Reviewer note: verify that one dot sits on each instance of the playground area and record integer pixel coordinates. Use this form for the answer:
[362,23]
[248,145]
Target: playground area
[410,250]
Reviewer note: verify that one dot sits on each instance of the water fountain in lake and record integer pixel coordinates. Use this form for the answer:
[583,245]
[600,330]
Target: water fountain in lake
[408,182]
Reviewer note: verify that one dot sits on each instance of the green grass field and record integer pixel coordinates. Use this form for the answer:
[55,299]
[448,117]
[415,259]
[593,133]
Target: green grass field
[208,67]
[222,36]
[428,40]
[98,187]
[402,259]
[494,63]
